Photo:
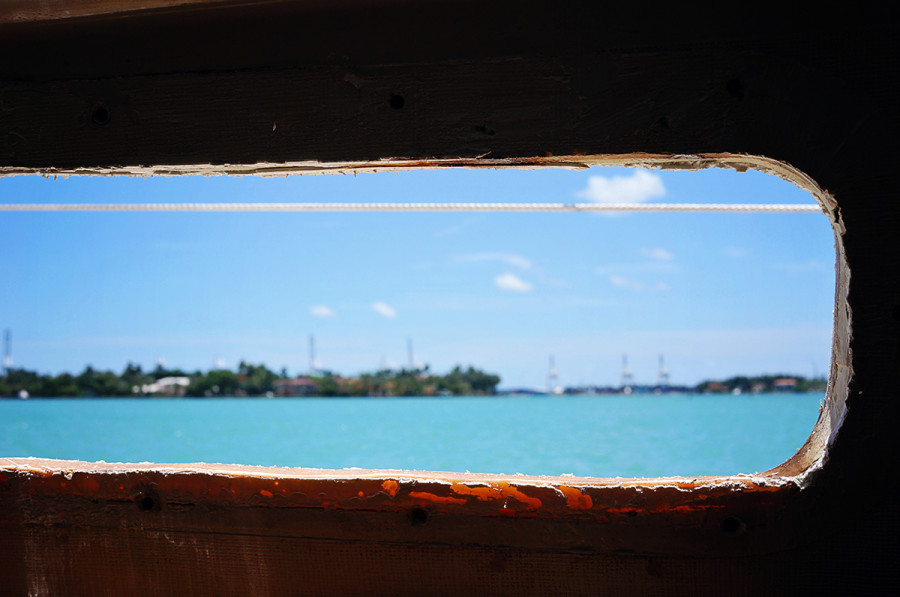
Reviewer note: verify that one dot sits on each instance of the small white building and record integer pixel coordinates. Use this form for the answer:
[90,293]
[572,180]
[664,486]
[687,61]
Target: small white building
[167,386]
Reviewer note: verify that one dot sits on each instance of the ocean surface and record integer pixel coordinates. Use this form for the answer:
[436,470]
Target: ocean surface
[607,436]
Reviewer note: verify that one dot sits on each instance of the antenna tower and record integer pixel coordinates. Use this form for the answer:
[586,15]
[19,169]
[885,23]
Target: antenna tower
[7,352]
[627,377]
[663,380]
[552,377]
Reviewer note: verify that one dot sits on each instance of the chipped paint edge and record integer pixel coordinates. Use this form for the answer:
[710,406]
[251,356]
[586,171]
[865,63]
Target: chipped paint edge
[799,470]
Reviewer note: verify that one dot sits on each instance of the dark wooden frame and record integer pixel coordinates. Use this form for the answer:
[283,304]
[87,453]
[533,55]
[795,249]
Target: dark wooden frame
[276,86]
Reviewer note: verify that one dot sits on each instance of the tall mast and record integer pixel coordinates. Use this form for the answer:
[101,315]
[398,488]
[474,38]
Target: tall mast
[627,377]
[552,377]
[663,379]
[7,352]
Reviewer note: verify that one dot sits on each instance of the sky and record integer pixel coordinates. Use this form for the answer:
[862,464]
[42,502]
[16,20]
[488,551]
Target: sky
[716,294]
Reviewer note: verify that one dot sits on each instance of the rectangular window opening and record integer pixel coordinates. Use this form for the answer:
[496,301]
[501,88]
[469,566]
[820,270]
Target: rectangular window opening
[629,344]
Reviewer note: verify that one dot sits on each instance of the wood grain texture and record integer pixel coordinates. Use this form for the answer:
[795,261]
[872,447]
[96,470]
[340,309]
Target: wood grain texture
[293,86]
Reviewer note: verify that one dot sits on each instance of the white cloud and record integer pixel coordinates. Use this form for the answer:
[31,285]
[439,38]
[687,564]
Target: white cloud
[507,258]
[512,282]
[384,310]
[637,188]
[658,253]
[322,311]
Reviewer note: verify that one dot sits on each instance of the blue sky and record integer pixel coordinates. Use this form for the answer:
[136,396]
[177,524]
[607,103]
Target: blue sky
[717,294]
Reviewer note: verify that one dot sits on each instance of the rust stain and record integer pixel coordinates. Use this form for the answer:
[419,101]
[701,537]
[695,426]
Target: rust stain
[694,485]
[629,511]
[694,508]
[265,493]
[685,508]
[437,499]
[87,483]
[575,499]
[496,491]
[391,487]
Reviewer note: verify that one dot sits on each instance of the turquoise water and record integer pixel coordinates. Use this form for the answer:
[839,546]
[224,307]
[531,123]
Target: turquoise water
[628,436]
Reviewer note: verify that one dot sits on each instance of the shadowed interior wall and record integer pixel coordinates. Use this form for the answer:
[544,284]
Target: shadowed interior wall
[275,86]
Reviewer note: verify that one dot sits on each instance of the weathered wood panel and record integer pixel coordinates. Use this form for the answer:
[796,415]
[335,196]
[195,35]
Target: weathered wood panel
[275,86]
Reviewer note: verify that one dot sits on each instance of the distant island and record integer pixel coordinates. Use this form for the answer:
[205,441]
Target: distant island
[764,383]
[741,384]
[247,381]
[250,380]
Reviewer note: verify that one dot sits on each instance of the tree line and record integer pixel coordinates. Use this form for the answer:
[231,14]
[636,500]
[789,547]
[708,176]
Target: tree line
[247,380]
[257,380]
[763,384]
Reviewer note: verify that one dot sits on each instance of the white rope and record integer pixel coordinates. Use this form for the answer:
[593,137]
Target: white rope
[419,207]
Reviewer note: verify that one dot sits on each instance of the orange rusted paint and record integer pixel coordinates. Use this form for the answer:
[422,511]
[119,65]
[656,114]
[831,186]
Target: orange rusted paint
[575,499]
[87,484]
[685,508]
[437,499]
[390,486]
[453,492]
[495,491]
[747,484]
[691,508]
